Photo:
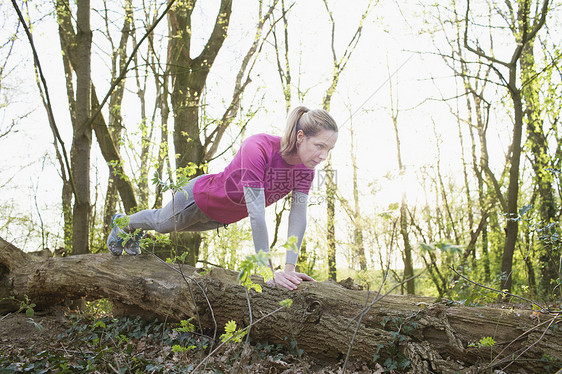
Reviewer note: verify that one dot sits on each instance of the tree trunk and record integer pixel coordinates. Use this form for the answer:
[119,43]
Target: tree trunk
[330,217]
[358,223]
[146,127]
[189,78]
[407,257]
[66,197]
[115,119]
[322,319]
[111,156]
[512,226]
[162,102]
[541,163]
[338,67]
[82,134]
[69,42]
[408,261]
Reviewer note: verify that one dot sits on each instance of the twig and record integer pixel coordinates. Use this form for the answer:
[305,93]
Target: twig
[366,310]
[227,340]
[115,370]
[543,309]
[250,311]
[362,314]
[492,364]
[185,278]
[127,63]
[204,262]
[48,105]
[5,316]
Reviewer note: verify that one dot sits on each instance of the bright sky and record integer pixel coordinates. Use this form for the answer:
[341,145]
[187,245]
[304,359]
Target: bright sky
[388,46]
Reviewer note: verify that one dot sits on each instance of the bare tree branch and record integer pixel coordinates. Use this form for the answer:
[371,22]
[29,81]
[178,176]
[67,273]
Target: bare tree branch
[51,116]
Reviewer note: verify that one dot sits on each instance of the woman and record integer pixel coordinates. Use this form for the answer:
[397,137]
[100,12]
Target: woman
[265,169]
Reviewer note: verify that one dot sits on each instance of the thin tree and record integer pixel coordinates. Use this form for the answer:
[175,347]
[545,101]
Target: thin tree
[82,132]
[115,118]
[196,143]
[160,73]
[146,127]
[478,109]
[60,149]
[541,162]
[526,26]
[407,253]
[358,224]
[354,212]
[339,65]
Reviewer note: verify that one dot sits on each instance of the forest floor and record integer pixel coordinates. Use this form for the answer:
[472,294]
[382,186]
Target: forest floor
[60,341]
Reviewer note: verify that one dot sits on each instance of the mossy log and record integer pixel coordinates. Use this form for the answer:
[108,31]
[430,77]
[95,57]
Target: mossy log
[425,336]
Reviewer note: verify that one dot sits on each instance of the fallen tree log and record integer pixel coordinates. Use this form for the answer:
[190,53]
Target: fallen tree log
[414,332]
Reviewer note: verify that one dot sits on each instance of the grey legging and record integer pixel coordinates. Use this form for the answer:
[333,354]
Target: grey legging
[180,214]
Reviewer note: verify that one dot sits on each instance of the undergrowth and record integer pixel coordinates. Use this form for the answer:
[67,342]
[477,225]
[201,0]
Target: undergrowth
[107,344]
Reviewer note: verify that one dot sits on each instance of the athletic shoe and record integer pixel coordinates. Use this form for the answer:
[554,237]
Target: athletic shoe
[132,245]
[114,241]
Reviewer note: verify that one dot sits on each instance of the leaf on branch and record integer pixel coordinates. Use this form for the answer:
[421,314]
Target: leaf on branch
[525,209]
[231,333]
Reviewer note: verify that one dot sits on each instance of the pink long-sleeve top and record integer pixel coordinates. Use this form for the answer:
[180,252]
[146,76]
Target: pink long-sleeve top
[257,164]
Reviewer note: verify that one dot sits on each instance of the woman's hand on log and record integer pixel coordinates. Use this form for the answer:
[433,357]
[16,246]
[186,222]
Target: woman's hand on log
[289,278]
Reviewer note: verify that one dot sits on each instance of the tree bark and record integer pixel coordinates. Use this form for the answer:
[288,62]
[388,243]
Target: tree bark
[69,42]
[111,156]
[512,226]
[329,174]
[115,118]
[82,134]
[189,78]
[339,65]
[358,241]
[541,161]
[407,257]
[433,337]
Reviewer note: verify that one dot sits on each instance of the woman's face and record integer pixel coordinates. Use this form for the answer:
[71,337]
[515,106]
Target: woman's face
[315,149]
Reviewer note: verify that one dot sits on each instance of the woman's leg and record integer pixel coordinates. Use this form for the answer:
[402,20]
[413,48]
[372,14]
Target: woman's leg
[180,214]
[170,217]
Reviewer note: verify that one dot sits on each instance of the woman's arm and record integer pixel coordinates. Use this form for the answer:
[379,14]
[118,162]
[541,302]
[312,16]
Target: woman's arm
[255,203]
[297,228]
[297,224]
